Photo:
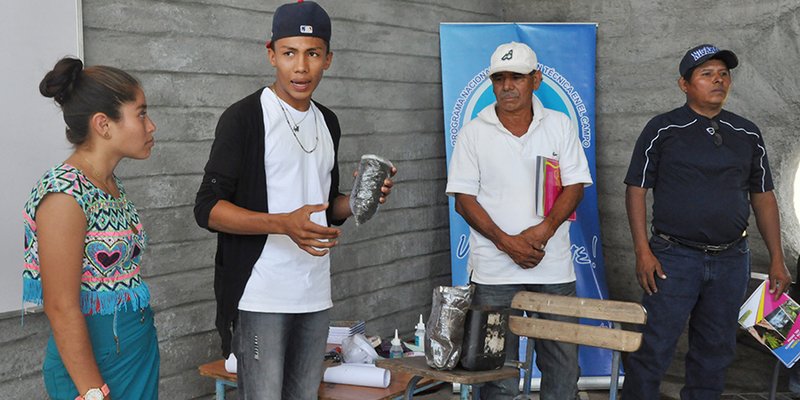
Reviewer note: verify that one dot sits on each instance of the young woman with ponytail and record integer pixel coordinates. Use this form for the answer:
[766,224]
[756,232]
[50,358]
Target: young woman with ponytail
[84,242]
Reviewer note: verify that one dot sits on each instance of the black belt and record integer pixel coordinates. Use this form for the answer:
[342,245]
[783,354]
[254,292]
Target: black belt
[704,247]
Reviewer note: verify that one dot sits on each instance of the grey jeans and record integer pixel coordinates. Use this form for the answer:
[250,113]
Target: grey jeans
[558,361]
[280,355]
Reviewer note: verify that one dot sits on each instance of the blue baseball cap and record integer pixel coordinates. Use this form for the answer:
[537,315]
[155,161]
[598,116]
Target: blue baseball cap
[704,52]
[304,18]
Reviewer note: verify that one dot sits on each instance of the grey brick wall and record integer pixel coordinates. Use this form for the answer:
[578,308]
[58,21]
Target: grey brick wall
[195,57]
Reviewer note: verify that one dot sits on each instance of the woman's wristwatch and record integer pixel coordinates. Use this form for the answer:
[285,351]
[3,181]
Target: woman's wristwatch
[95,394]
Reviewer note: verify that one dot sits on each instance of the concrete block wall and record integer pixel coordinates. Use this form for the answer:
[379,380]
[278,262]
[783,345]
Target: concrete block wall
[195,58]
[639,46]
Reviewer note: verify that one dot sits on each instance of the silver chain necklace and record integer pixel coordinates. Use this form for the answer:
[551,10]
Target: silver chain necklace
[295,128]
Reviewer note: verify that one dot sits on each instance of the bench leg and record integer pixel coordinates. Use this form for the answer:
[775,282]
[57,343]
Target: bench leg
[612,390]
[220,390]
[526,384]
[412,387]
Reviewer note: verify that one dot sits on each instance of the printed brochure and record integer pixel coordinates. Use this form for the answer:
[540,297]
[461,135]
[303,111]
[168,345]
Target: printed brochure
[773,323]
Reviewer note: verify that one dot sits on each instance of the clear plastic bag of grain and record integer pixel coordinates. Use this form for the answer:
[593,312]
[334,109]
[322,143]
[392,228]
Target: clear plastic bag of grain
[372,171]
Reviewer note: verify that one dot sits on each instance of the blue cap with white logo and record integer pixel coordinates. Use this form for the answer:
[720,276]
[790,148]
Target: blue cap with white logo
[304,18]
[700,54]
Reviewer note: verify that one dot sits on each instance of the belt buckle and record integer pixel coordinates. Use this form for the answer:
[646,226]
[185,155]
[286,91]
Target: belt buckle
[718,248]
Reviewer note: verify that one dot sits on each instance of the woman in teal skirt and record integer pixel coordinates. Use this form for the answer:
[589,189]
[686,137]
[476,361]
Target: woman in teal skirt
[84,242]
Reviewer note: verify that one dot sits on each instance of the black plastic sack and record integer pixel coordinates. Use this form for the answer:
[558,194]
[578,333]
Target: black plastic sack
[445,327]
[484,338]
[372,171]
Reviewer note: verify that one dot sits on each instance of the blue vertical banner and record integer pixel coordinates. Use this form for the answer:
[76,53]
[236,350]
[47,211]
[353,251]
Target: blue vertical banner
[566,55]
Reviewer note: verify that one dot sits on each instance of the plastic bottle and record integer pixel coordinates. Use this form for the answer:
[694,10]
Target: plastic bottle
[419,334]
[396,351]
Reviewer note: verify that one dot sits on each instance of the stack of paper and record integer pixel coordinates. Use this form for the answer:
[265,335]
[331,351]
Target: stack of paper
[342,329]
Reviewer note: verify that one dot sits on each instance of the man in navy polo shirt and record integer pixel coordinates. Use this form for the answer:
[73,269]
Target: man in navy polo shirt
[707,167]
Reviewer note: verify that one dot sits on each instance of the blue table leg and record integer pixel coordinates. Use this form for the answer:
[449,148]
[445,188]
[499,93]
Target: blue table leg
[464,391]
[220,390]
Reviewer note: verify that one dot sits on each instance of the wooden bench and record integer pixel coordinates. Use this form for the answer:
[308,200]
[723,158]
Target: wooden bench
[616,312]
[617,340]
[327,391]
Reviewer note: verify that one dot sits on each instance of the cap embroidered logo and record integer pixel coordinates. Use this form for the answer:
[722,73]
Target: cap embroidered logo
[306,29]
[508,55]
[704,51]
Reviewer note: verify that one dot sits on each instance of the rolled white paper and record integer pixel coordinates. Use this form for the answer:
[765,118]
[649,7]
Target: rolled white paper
[358,374]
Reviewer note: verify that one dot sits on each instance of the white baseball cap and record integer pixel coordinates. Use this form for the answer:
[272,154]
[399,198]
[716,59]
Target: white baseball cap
[513,57]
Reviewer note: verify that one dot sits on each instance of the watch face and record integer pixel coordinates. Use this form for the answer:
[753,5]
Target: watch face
[94,394]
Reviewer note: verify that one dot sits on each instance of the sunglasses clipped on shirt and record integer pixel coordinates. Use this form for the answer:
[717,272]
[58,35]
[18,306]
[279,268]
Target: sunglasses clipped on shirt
[714,131]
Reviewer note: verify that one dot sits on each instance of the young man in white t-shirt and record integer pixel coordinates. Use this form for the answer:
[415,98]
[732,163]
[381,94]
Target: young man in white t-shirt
[270,190]
[492,176]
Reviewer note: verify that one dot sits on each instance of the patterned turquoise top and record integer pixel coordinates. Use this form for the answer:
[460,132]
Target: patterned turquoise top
[113,249]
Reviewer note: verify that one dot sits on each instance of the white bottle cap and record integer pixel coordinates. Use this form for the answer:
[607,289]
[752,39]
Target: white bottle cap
[396,340]
[420,324]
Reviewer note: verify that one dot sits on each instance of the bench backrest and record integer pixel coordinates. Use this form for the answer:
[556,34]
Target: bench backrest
[606,310]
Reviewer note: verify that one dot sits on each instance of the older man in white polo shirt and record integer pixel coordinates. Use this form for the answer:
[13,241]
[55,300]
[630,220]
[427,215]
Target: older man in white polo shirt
[493,178]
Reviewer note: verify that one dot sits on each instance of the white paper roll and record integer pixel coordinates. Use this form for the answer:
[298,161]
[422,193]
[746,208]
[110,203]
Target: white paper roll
[358,374]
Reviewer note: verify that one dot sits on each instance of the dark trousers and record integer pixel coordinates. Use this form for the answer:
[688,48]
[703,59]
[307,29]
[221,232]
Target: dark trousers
[706,289]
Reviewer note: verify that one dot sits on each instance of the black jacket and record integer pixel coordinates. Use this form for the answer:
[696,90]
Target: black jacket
[235,172]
